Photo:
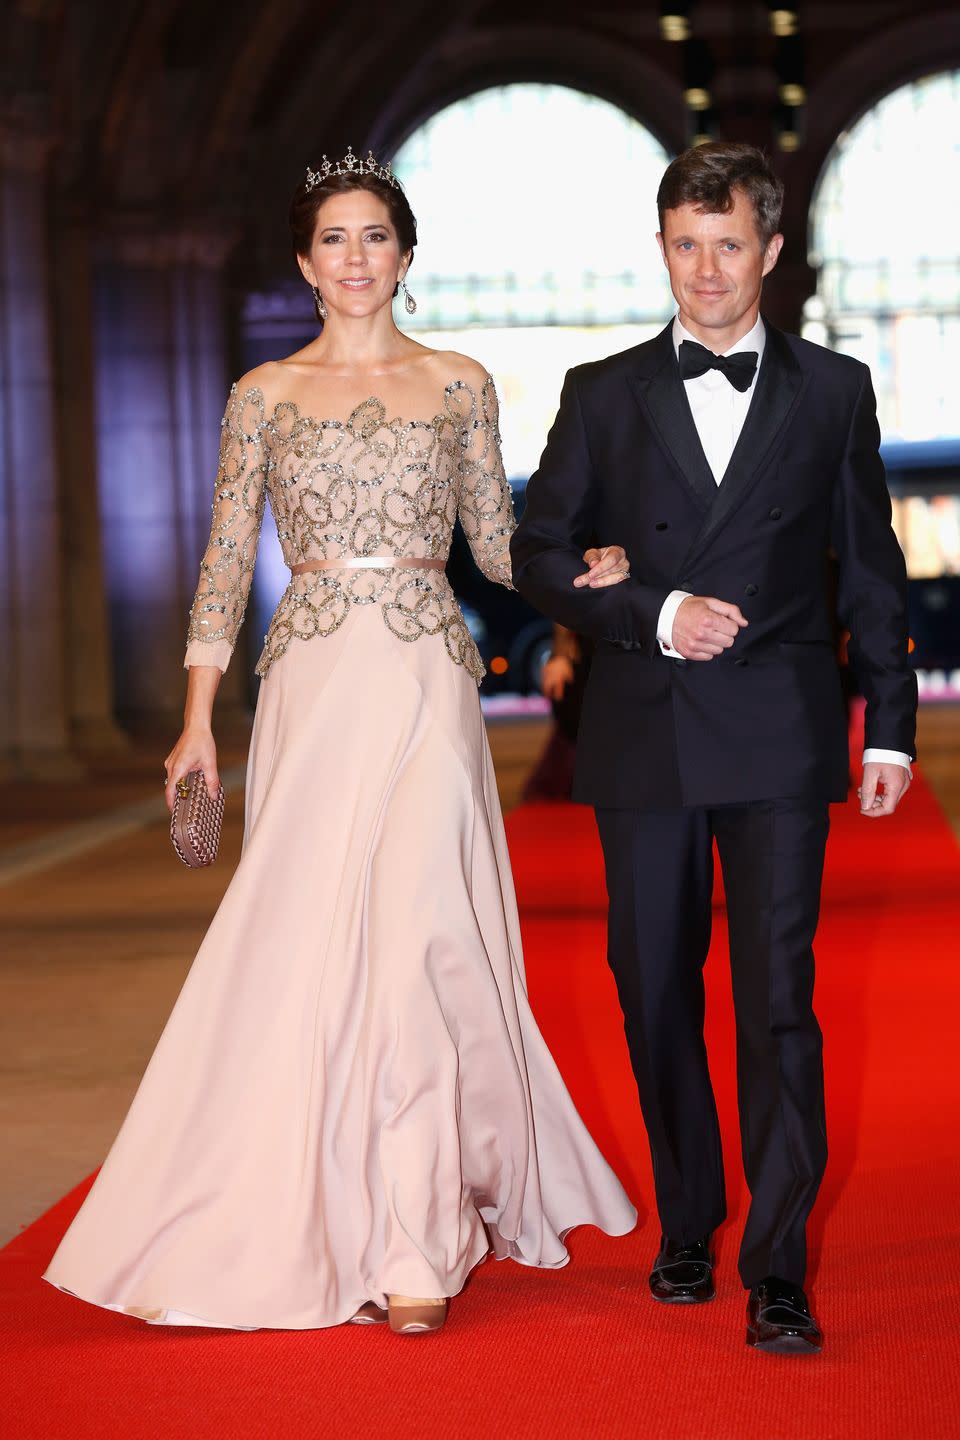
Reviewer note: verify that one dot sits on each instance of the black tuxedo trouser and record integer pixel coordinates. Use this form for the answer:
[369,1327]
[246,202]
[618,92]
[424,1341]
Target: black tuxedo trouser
[659,869]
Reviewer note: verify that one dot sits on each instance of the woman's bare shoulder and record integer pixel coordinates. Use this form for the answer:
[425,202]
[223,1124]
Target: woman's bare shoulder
[274,377]
[462,367]
[268,378]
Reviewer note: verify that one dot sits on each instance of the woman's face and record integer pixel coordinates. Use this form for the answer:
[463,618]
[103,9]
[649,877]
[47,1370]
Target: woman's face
[355,257]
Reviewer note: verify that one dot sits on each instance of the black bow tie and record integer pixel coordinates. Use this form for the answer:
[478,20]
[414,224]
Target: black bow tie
[697,360]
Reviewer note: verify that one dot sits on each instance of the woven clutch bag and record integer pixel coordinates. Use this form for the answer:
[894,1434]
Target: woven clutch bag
[195,822]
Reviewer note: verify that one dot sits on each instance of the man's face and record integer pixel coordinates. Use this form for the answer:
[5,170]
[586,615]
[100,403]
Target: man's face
[716,264]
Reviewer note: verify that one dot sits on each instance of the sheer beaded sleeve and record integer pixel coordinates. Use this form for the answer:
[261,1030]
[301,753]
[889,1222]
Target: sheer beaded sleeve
[486,502]
[227,566]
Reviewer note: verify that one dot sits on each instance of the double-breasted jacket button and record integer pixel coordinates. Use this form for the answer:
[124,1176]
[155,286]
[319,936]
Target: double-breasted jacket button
[661,525]
[742,660]
[776,513]
[750,589]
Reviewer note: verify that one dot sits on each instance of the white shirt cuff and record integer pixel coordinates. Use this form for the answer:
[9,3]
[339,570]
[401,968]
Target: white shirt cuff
[668,613]
[888,757]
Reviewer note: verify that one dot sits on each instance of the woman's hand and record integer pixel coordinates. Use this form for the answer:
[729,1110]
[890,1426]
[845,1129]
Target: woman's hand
[608,566]
[557,674]
[195,750]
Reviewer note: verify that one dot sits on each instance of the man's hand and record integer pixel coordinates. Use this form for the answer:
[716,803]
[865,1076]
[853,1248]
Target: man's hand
[557,675]
[704,627]
[608,566]
[882,788]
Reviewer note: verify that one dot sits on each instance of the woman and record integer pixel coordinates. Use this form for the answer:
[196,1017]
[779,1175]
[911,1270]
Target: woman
[351,1100]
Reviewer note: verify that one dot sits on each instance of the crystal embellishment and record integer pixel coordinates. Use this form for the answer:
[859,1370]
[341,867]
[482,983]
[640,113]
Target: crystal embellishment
[350,165]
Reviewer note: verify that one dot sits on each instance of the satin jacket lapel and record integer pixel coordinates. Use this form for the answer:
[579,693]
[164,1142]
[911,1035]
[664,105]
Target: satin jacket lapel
[780,384]
[659,392]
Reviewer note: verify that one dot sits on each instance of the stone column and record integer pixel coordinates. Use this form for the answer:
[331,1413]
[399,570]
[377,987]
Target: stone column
[34,727]
[161,386]
[89,671]
[793,281]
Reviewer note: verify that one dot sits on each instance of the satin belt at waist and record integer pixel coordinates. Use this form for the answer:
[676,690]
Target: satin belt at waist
[370,562]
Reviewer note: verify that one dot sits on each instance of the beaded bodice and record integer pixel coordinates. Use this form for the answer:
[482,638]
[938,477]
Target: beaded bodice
[367,485]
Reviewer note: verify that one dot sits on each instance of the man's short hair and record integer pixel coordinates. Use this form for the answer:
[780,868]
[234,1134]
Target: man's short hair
[707,177]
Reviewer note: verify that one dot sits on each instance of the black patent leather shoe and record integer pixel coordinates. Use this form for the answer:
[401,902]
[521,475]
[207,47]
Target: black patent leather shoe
[779,1319]
[683,1274]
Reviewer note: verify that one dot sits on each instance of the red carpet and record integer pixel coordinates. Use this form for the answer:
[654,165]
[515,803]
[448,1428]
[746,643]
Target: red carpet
[583,1352]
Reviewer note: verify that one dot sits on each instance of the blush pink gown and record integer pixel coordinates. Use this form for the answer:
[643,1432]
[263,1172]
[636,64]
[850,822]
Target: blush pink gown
[351,1097]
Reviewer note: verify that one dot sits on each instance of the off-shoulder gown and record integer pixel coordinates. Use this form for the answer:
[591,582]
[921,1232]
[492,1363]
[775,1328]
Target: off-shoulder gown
[351,1098]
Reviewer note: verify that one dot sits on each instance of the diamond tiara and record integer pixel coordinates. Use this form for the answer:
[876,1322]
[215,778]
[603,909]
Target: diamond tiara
[350,165]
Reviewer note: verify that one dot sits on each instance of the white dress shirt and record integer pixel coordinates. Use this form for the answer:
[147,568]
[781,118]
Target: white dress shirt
[719,410]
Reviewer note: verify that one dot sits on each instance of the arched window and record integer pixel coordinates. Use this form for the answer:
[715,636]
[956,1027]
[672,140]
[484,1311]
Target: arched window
[536,213]
[884,243]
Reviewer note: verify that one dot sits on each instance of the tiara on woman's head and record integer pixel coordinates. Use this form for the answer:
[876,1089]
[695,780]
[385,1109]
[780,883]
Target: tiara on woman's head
[350,165]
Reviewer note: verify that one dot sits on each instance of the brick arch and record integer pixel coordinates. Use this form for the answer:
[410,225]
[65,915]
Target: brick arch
[383,110]
[541,55]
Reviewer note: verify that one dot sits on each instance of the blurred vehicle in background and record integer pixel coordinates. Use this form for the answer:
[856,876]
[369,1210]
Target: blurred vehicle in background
[924,481]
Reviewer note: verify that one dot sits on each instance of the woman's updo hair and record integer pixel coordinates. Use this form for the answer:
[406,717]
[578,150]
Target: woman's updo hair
[305,206]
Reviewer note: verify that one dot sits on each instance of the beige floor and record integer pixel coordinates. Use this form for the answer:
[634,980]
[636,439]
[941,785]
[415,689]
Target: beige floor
[98,924]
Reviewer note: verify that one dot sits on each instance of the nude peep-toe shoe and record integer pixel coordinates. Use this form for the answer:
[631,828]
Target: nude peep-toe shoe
[415,1317]
[369,1314]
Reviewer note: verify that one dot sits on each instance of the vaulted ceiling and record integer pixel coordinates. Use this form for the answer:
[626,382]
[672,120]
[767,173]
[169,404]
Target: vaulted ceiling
[179,113]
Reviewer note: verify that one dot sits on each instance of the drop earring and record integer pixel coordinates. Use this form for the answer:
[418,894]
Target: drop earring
[318,303]
[409,304]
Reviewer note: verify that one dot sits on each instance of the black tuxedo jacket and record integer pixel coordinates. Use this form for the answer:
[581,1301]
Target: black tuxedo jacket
[623,465]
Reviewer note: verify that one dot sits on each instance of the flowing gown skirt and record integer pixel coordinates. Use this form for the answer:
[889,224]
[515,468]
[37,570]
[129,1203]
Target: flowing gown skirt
[351,1097]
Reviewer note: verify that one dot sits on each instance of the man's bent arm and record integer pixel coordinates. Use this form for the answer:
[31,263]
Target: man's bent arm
[556,527]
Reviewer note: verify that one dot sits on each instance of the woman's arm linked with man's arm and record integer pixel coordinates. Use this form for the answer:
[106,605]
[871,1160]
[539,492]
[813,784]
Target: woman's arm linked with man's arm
[556,528]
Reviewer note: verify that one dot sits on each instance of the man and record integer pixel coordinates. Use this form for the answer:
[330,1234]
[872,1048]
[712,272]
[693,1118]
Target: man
[730,460]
